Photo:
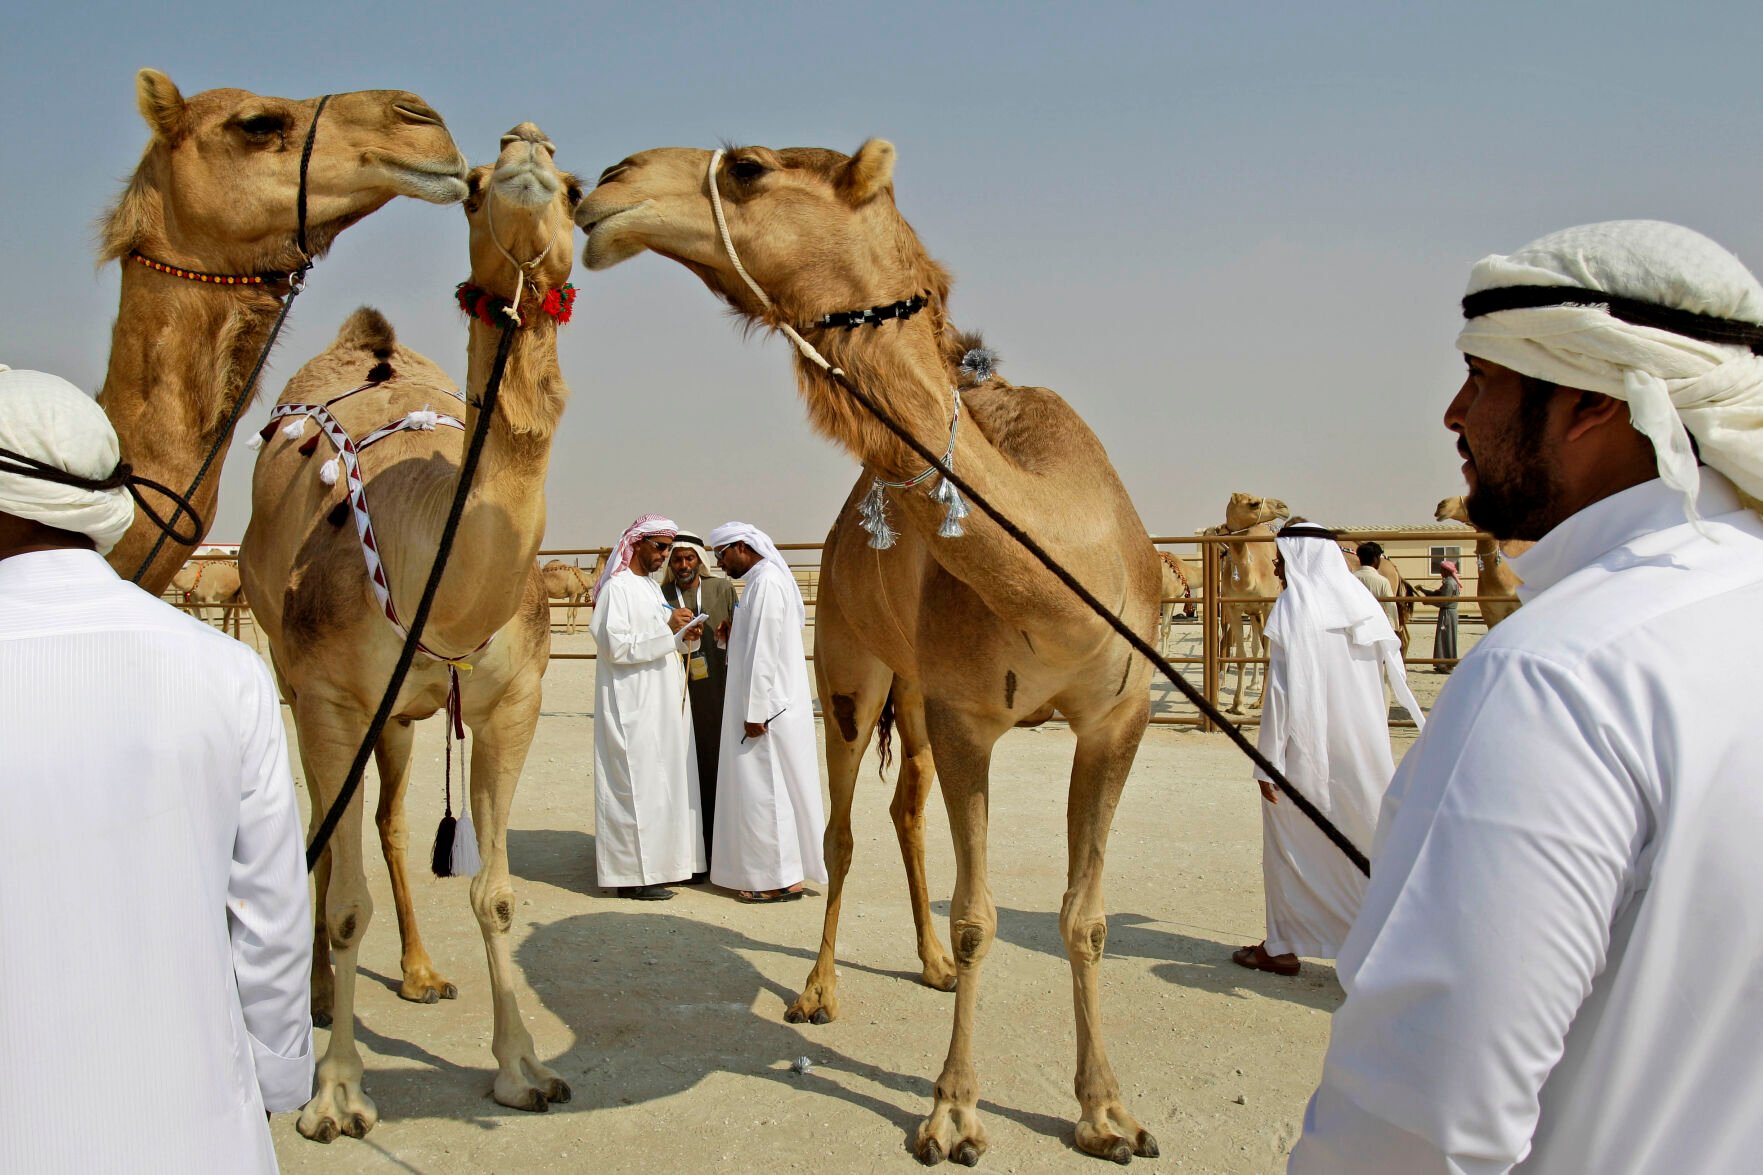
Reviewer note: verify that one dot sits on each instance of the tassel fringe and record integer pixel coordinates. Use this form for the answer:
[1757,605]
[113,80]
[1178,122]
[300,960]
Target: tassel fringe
[294,428]
[466,861]
[255,443]
[327,473]
[441,859]
[873,515]
[956,509]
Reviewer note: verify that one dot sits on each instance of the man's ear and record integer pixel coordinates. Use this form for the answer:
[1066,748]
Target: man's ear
[1594,410]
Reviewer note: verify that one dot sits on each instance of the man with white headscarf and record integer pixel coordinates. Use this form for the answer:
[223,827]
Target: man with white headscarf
[769,818]
[1325,727]
[158,930]
[1555,962]
[646,819]
[688,583]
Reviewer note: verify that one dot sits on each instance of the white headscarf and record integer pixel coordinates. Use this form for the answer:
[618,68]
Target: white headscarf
[1672,382]
[744,532]
[1321,597]
[47,419]
[706,564]
[620,556]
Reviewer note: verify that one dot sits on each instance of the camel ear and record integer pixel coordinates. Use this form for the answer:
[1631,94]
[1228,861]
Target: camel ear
[868,172]
[161,104]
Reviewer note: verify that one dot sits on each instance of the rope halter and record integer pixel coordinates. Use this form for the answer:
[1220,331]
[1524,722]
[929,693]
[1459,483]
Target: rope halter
[521,268]
[873,509]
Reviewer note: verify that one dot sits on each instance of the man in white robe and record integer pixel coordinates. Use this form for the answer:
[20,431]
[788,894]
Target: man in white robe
[769,818]
[646,820]
[1555,966]
[1325,727]
[154,980]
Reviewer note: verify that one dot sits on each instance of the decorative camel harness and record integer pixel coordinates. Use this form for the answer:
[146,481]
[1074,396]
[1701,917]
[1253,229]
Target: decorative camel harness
[956,485]
[295,280]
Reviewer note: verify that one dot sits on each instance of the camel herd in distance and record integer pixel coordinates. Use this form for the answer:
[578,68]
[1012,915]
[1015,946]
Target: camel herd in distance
[931,621]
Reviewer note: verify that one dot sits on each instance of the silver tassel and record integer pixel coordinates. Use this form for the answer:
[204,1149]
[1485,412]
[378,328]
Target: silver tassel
[872,514]
[947,495]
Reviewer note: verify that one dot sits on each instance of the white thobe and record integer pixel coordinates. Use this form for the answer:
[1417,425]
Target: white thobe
[1312,890]
[1556,960]
[647,829]
[153,899]
[769,818]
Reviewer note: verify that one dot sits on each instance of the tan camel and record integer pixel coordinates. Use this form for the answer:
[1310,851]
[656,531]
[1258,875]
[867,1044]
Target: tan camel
[215,194]
[568,582]
[968,635]
[1246,570]
[1493,575]
[212,583]
[306,571]
[1178,594]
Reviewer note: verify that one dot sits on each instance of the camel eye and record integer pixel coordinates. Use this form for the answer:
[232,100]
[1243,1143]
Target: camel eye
[575,193]
[746,170]
[261,126]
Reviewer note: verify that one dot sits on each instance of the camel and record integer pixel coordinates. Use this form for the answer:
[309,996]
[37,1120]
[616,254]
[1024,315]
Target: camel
[567,581]
[1493,574]
[1178,594]
[965,636]
[1246,570]
[212,583]
[328,629]
[215,195]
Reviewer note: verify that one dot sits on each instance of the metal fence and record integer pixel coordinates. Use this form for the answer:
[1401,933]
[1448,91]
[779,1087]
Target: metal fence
[1206,667]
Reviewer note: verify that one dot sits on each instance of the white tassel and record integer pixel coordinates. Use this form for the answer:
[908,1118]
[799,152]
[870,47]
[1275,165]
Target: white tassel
[255,443]
[872,514]
[327,473]
[423,418]
[294,428]
[466,861]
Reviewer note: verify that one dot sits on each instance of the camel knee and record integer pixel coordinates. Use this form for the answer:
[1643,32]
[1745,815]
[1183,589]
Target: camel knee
[1085,938]
[971,940]
[346,921]
[494,907]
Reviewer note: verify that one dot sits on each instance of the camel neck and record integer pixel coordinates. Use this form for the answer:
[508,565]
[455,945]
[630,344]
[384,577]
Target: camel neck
[898,365]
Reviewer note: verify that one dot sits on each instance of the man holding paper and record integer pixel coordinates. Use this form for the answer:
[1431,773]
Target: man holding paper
[646,818]
[769,819]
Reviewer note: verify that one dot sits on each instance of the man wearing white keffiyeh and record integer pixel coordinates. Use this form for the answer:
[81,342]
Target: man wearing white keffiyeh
[1555,962]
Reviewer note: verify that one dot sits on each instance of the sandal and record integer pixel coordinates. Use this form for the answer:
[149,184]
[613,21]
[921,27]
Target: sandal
[758,898]
[1256,958]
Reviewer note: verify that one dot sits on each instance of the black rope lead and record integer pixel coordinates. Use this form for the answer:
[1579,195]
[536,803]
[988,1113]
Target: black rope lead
[122,477]
[467,471]
[1181,683]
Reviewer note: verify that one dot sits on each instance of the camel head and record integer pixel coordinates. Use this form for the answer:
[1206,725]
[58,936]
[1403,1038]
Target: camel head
[816,229]
[1452,510]
[1245,510]
[521,209]
[217,188]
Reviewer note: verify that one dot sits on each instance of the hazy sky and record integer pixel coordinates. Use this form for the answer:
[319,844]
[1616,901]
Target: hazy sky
[1232,236]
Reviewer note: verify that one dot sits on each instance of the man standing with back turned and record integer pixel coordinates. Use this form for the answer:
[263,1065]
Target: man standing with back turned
[154,983]
[769,819]
[1555,964]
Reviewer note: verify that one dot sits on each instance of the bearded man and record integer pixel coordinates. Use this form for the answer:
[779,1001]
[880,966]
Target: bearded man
[1554,964]
[687,583]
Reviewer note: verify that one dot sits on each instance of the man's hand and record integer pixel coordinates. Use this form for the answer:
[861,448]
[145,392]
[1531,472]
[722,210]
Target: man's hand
[692,633]
[677,620]
[1267,792]
[755,729]
[722,631]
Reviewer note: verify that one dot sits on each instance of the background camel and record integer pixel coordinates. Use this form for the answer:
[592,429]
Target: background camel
[568,582]
[215,193]
[1493,575]
[212,584]
[329,633]
[967,634]
[1178,593]
[1246,570]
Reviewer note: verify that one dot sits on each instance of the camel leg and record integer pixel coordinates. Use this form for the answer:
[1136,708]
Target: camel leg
[911,789]
[1258,648]
[323,989]
[329,734]
[964,752]
[499,748]
[857,685]
[1234,646]
[422,983]
[1098,773]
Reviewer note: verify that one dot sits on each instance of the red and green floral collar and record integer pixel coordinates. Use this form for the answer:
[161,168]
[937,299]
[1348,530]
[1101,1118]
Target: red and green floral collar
[486,307]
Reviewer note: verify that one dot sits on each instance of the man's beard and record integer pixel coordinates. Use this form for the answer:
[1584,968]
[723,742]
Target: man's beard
[1522,502]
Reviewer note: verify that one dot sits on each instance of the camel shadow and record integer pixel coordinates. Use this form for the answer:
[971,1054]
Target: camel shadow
[1199,964]
[554,856]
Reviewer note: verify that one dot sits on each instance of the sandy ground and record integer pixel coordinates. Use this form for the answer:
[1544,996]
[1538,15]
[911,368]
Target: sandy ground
[667,1018]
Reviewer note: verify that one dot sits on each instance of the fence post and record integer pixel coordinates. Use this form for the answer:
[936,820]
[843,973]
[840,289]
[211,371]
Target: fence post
[1210,577]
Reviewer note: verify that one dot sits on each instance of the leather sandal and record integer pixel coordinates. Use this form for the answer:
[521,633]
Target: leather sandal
[1256,958]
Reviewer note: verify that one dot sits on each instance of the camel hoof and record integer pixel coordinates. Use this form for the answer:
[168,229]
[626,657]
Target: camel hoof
[820,1017]
[966,1153]
[795,1015]
[557,1091]
[325,1132]
[1147,1148]
[357,1126]
[321,1019]
[931,1153]
[430,996]
[1120,1152]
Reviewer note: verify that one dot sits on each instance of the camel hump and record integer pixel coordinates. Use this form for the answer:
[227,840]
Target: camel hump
[367,330]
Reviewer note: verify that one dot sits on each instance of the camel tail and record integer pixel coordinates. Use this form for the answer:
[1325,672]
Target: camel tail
[368,330]
[884,736]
